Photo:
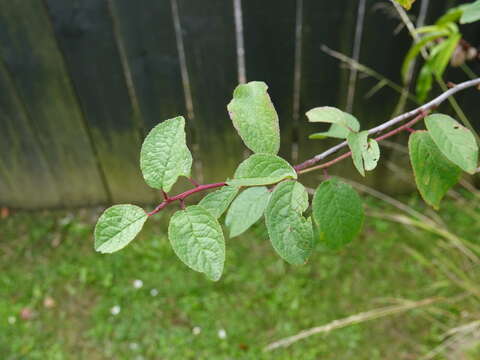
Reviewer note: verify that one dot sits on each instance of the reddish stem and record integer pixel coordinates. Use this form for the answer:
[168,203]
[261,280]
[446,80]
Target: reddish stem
[165,195]
[408,125]
[181,197]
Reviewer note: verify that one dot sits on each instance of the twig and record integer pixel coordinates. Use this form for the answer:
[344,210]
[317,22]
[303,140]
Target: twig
[453,102]
[389,200]
[380,138]
[181,197]
[356,54]
[352,63]
[354,319]
[426,107]
[419,112]
[434,229]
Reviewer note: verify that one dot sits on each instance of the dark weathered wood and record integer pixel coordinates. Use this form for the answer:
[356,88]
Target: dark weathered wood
[323,80]
[72,105]
[326,82]
[209,38]
[376,45]
[28,47]
[269,36]
[26,180]
[147,34]
[84,30]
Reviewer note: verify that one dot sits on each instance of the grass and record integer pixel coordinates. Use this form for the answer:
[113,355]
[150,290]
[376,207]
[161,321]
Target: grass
[178,314]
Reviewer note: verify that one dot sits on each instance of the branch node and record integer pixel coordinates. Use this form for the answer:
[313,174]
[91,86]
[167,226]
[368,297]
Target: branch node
[325,173]
[194,182]
[165,196]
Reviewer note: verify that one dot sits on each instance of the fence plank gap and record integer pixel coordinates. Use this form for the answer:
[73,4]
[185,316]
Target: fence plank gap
[357,43]
[137,114]
[269,28]
[297,79]
[323,80]
[187,91]
[242,72]
[208,33]
[147,32]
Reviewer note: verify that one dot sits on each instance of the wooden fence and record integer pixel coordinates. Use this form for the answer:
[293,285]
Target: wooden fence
[82,81]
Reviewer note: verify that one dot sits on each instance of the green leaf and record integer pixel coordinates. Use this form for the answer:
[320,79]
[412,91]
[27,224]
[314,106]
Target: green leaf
[327,114]
[246,210]
[407,4]
[424,82]
[456,142]
[438,28]
[262,169]
[434,173]
[471,13]
[337,210]
[365,152]
[165,155]
[442,53]
[339,131]
[197,239]
[452,15]
[415,50]
[117,226]
[218,201]
[290,233]
[371,155]
[254,116]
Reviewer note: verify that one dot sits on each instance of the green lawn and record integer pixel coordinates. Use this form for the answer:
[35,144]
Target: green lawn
[99,313]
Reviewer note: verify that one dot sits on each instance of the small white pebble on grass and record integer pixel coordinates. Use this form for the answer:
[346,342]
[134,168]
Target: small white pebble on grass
[66,220]
[196,330]
[222,334]
[115,310]
[12,320]
[133,346]
[137,284]
[154,292]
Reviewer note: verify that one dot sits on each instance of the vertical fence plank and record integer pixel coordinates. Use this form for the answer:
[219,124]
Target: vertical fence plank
[269,35]
[323,81]
[209,38]
[84,30]
[380,107]
[395,46]
[29,50]
[26,178]
[147,34]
